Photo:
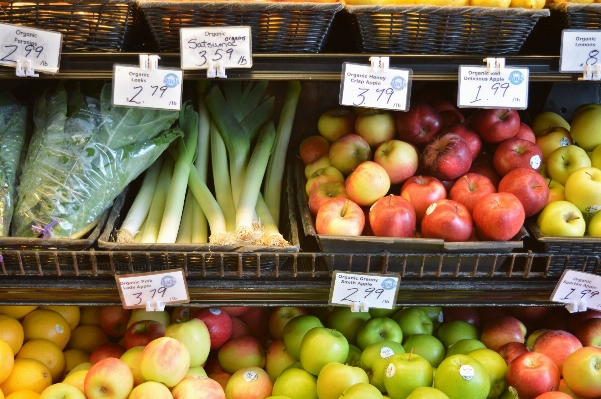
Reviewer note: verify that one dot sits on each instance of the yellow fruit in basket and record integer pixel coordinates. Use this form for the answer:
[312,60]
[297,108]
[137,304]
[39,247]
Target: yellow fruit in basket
[81,366]
[586,129]
[47,324]
[545,120]
[18,312]
[11,332]
[61,390]
[70,313]
[89,315]
[46,352]
[87,338]
[27,374]
[6,360]
[490,3]
[530,4]
[23,394]
[449,3]
[377,2]
[162,317]
[73,358]
[76,379]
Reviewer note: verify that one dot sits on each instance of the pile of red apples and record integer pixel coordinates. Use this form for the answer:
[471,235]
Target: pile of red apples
[429,172]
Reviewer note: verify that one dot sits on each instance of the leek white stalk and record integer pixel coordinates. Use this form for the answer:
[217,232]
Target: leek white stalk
[138,237]
[271,234]
[184,235]
[221,179]
[139,209]
[277,163]
[155,214]
[199,226]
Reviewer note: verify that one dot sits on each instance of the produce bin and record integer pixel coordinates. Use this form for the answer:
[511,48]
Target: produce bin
[275,27]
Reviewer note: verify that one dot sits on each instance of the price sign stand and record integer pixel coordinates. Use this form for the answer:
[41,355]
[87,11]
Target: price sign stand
[580,53]
[578,290]
[30,50]
[362,291]
[375,85]
[153,290]
[493,86]
[147,86]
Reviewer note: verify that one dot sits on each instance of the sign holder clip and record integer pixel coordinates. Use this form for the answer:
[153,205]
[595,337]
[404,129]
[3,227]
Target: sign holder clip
[577,306]
[27,71]
[494,64]
[216,70]
[149,61]
[157,305]
[379,64]
[359,307]
[591,72]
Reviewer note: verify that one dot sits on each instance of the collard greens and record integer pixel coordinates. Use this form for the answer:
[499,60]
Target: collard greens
[83,153]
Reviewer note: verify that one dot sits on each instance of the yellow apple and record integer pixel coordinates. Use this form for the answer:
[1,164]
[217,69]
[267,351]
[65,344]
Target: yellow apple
[582,107]
[150,390]
[449,3]
[490,3]
[566,160]
[586,128]
[594,225]
[321,163]
[556,191]
[132,358]
[197,388]
[531,4]
[79,367]
[110,378]
[550,140]
[561,219]
[62,391]
[583,189]
[197,372]
[162,317]
[544,120]
[76,379]
[165,360]
[595,157]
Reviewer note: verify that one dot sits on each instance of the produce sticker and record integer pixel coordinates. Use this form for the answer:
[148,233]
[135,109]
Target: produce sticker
[147,88]
[229,45]
[362,86]
[167,286]
[579,48]
[578,288]
[480,87]
[41,47]
[374,290]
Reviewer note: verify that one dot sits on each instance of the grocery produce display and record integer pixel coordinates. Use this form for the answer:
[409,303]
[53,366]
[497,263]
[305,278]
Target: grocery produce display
[53,352]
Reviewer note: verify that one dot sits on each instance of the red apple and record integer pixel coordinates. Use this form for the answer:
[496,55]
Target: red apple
[517,153]
[511,350]
[468,314]
[502,330]
[440,104]
[554,395]
[563,387]
[325,192]
[212,364]
[399,159]
[498,216]
[525,133]
[239,328]
[489,313]
[142,332]
[114,319]
[532,374]
[574,319]
[469,188]
[375,126]
[367,231]
[312,148]
[589,332]
[529,187]
[448,220]
[495,125]
[470,137]
[322,176]
[582,372]
[367,183]
[348,152]
[340,216]
[281,316]
[221,377]
[557,345]
[106,350]
[530,313]
[422,191]
[419,124]
[109,378]
[392,216]
[335,123]
[451,117]
[234,310]
[239,353]
[447,157]
[198,388]
[257,319]
[486,170]
[219,324]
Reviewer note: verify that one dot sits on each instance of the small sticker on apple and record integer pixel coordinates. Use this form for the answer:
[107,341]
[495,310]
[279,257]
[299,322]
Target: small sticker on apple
[59,328]
[535,162]
[440,317]
[386,352]
[564,142]
[390,370]
[467,372]
[513,392]
[431,209]
[216,312]
[591,210]
[251,376]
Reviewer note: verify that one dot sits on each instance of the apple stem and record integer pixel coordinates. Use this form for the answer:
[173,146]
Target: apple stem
[410,354]
[549,185]
[591,176]
[390,199]
[572,217]
[332,332]
[564,160]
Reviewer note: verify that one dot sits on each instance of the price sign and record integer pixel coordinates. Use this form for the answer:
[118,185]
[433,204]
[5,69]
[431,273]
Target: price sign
[147,88]
[41,47]
[363,87]
[230,45]
[166,286]
[575,286]
[483,88]
[578,49]
[376,290]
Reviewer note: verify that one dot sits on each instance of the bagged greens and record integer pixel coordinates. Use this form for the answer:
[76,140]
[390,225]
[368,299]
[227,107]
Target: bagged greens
[83,153]
[13,128]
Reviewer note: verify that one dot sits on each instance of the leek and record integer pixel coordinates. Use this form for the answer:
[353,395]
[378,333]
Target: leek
[221,179]
[138,237]
[184,234]
[155,214]
[199,226]
[271,234]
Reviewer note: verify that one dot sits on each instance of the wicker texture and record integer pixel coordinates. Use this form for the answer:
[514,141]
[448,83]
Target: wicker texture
[443,30]
[86,26]
[275,27]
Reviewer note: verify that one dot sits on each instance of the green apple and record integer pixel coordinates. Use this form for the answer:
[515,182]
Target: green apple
[545,120]
[556,191]
[361,391]
[582,107]
[464,346]
[347,322]
[278,397]
[335,378]
[427,393]
[296,365]
[321,346]
[132,358]
[162,317]
[462,377]
[551,139]
[295,330]
[434,313]
[281,316]
[375,312]
[427,346]
[413,321]
[374,360]
[583,189]
[66,391]
[533,336]
[406,372]
[354,356]
[594,225]
[277,358]
[297,384]
[595,157]
[586,128]
[495,367]
[378,329]
[564,161]
[196,372]
[194,334]
[561,219]
[453,331]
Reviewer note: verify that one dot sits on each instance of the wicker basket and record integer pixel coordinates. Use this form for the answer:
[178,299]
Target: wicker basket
[275,27]
[96,25]
[446,30]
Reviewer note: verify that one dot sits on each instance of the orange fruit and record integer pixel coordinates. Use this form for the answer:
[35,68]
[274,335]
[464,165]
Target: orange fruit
[7,360]
[47,324]
[11,332]
[23,394]
[74,357]
[46,352]
[17,311]
[70,313]
[87,337]
[28,374]
[89,315]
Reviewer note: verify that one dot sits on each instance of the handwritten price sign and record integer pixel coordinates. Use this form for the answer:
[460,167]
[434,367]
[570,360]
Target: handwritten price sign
[575,286]
[481,88]
[375,290]
[231,45]
[41,47]
[165,286]
[578,49]
[147,88]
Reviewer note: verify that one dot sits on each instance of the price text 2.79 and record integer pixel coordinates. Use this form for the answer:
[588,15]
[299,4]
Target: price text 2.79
[139,89]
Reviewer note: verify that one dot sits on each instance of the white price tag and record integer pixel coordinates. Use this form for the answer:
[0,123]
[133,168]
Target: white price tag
[229,45]
[168,287]
[375,290]
[578,49]
[361,86]
[481,88]
[576,287]
[41,47]
[147,88]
